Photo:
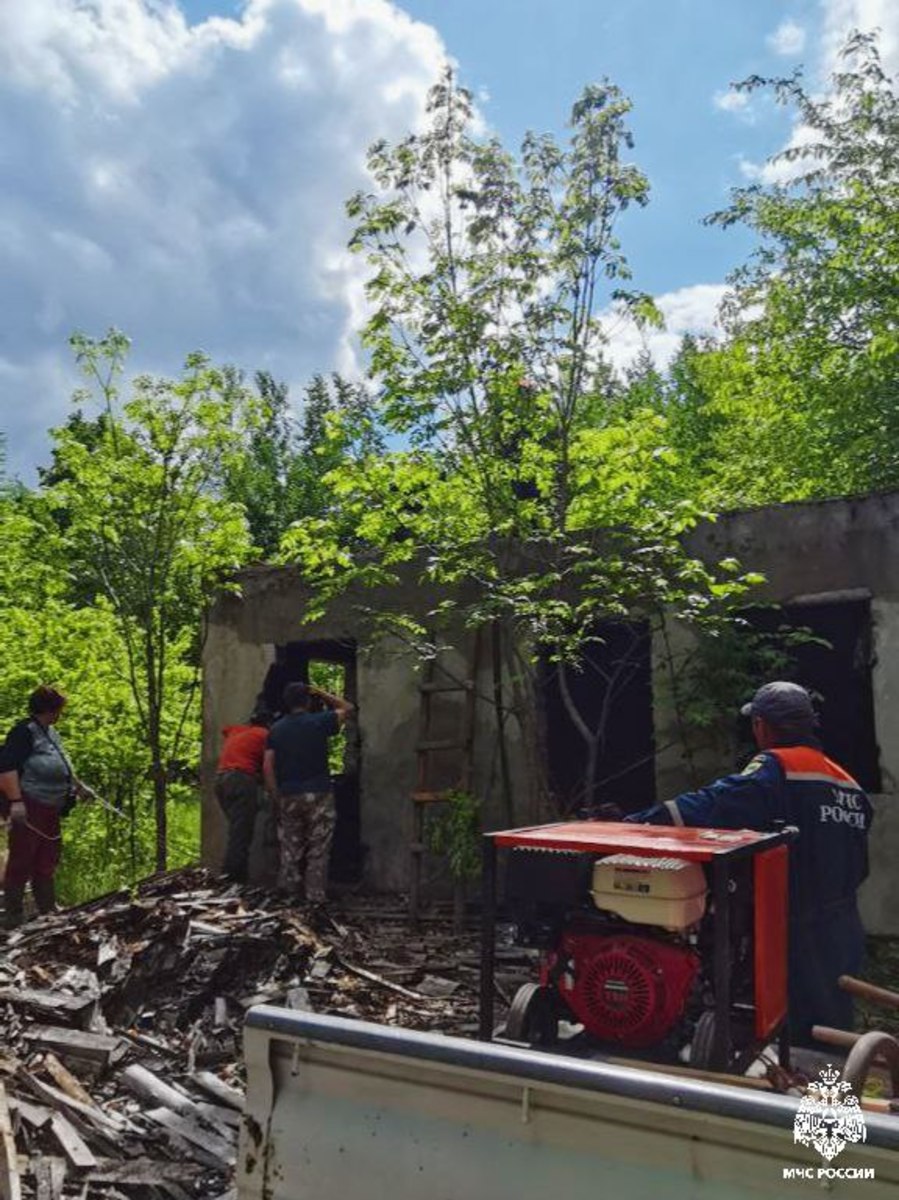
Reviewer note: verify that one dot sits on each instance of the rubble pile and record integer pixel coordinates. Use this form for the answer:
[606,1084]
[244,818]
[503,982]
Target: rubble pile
[120,1024]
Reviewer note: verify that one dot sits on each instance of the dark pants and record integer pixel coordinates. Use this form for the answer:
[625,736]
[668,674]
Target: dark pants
[820,952]
[33,855]
[238,795]
[34,845]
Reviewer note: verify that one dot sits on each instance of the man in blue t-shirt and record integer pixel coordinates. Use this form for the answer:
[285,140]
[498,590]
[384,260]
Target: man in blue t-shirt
[296,774]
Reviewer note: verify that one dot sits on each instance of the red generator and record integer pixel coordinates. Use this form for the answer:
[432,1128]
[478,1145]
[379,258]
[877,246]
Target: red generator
[653,938]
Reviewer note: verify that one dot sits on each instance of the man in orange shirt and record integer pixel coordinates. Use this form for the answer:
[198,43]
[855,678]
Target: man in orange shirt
[237,783]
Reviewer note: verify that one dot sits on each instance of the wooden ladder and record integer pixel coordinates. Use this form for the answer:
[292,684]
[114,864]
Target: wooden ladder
[438,682]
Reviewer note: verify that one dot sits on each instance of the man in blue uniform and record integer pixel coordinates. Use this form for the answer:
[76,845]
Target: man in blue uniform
[791,782]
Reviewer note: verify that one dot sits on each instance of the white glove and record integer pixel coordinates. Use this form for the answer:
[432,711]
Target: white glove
[17,813]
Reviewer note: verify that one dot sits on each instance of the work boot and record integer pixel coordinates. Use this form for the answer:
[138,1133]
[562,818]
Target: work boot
[13,906]
[44,892]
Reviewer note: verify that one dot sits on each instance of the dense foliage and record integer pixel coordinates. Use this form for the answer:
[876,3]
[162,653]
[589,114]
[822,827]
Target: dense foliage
[801,398]
[144,511]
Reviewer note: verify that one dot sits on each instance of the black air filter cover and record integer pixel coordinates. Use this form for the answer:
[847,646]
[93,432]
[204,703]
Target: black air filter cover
[541,879]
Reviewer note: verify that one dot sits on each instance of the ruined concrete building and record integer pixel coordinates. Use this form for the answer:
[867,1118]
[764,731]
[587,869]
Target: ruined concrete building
[831,567]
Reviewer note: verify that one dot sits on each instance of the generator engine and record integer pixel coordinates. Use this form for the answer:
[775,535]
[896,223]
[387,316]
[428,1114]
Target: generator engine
[621,936]
[630,990]
[669,943]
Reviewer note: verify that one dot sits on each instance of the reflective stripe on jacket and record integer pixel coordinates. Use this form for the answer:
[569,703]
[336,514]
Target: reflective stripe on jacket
[795,785]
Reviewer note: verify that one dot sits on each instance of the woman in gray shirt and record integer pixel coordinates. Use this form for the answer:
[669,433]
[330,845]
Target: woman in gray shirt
[37,786]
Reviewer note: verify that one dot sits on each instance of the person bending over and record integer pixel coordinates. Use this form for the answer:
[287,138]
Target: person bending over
[237,785]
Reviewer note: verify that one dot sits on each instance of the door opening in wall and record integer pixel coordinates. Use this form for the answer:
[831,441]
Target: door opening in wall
[599,722]
[839,675]
[330,665]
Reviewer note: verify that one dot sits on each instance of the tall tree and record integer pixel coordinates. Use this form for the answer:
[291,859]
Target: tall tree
[487,278]
[808,383]
[144,521]
[259,477]
[278,478]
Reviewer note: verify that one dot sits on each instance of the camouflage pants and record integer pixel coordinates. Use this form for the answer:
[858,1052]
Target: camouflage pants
[305,829]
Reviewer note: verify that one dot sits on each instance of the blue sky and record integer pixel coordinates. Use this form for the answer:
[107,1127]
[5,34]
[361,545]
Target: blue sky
[670,57]
[528,59]
[178,168]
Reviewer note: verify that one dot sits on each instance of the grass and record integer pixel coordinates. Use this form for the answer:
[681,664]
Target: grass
[881,968]
[100,854]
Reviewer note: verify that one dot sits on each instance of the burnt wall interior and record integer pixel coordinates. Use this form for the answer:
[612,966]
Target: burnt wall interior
[611,691]
[297,662]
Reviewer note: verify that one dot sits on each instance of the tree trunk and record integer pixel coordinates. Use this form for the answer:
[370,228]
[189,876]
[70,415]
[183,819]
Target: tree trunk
[590,773]
[499,706]
[132,833]
[529,711]
[160,792]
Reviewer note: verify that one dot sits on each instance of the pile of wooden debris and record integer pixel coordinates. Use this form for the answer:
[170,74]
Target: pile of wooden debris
[121,1024]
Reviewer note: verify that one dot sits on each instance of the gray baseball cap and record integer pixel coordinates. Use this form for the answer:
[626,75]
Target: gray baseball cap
[781,703]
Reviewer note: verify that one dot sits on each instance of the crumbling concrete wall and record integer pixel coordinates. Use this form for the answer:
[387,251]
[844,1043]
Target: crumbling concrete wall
[241,644]
[831,549]
[836,549]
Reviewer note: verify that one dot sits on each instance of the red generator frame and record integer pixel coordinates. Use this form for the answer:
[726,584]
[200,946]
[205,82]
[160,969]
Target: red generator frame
[717,848]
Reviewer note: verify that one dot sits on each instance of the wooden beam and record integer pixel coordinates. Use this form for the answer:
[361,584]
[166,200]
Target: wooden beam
[10,1184]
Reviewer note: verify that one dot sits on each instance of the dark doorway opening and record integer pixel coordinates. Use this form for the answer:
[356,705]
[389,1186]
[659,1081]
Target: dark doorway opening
[599,722]
[838,674]
[331,665]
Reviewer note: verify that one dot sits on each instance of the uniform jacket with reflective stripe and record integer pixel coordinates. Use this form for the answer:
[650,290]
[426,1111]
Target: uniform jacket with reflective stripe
[800,786]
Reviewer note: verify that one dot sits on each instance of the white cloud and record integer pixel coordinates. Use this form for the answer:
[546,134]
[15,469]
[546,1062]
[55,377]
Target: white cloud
[732,102]
[787,39]
[840,18]
[780,170]
[688,310]
[186,183]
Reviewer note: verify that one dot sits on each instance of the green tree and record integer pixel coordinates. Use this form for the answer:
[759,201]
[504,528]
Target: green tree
[145,523]
[339,423]
[259,478]
[487,278]
[804,398]
[278,478]
[47,637]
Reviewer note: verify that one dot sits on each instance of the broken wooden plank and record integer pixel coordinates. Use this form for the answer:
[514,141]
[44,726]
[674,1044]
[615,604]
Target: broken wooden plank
[94,1046]
[45,1000]
[10,1184]
[143,1083]
[195,1133]
[64,1079]
[36,1115]
[106,1122]
[49,1176]
[76,1151]
[142,1171]
[219,1090]
[384,983]
[150,1043]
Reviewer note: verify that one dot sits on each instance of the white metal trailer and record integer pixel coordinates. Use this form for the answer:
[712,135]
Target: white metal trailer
[346,1110]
